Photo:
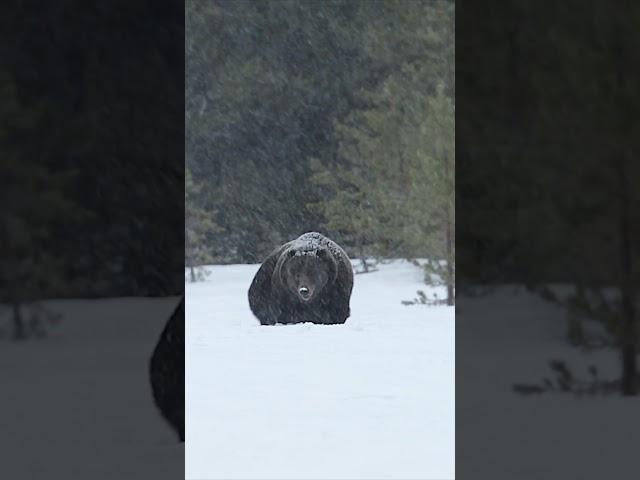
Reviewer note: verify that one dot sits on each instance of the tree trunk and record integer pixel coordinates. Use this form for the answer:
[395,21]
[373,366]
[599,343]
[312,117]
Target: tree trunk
[19,331]
[193,273]
[449,239]
[629,383]
[450,260]
[365,266]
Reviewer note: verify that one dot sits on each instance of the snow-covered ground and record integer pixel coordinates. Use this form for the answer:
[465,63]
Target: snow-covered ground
[371,399]
[508,337]
[78,404]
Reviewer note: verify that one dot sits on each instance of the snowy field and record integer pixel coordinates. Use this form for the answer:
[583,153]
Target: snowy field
[78,404]
[509,337]
[371,399]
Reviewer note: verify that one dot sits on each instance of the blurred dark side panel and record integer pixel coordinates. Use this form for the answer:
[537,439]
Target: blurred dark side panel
[548,217]
[91,233]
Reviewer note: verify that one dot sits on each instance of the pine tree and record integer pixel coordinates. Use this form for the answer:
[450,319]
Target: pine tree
[432,191]
[350,211]
[35,205]
[394,191]
[198,223]
[577,216]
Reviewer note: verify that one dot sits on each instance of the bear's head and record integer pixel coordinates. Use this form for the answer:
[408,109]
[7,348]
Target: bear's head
[305,274]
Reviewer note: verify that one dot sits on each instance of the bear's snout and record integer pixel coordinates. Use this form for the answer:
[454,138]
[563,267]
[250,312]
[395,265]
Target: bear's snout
[304,292]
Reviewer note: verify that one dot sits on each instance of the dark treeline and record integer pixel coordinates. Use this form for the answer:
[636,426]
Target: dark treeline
[329,116]
[547,160]
[550,155]
[90,107]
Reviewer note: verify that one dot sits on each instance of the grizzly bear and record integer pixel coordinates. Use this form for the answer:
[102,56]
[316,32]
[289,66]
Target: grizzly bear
[309,279]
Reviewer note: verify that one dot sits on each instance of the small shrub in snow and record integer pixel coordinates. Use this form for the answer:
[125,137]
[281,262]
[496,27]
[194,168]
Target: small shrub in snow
[564,381]
[32,320]
[196,274]
[366,265]
[422,299]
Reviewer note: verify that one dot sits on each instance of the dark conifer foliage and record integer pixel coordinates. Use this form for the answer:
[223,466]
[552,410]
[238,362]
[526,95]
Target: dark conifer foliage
[330,116]
[546,188]
[91,186]
[92,175]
